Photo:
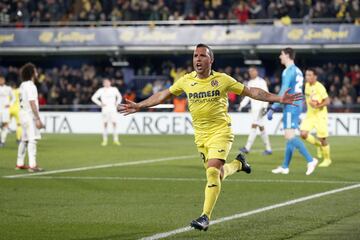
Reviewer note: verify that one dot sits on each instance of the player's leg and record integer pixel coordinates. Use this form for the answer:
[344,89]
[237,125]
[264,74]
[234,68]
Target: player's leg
[33,137]
[266,140]
[105,116]
[291,121]
[251,139]
[307,125]
[20,162]
[323,133]
[289,150]
[5,125]
[14,113]
[325,147]
[115,135]
[253,132]
[299,145]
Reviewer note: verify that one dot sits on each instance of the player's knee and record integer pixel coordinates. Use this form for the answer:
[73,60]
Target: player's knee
[323,142]
[213,173]
[216,163]
[254,125]
[303,134]
[261,128]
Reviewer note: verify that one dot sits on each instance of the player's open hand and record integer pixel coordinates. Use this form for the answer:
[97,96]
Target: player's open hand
[288,98]
[128,108]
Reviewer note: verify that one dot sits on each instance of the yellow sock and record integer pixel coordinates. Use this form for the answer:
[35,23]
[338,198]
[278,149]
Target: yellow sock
[212,190]
[326,152]
[231,168]
[311,139]
[319,152]
[18,132]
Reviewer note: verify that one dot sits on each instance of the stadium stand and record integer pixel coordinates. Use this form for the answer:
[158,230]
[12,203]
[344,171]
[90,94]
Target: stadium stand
[71,85]
[22,13]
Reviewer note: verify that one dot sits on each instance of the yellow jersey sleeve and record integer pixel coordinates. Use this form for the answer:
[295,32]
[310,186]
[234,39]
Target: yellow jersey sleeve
[178,87]
[234,86]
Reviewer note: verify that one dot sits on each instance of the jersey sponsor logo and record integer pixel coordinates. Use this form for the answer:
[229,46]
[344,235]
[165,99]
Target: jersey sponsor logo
[214,83]
[212,185]
[214,93]
[221,150]
[193,84]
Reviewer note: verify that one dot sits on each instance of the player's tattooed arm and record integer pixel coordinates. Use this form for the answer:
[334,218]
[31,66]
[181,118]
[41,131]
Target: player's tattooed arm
[259,94]
[131,107]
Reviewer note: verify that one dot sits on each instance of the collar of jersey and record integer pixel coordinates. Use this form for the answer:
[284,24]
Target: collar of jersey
[212,74]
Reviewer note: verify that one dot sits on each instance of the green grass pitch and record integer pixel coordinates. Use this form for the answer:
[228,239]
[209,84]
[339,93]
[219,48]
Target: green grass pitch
[140,200]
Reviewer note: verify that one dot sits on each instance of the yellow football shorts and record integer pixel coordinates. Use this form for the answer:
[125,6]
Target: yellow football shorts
[320,124]
[216,145]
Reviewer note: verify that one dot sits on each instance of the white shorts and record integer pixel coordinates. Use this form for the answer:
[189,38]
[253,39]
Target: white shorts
[258,117]
[109,116]
[4,115]
[30,131]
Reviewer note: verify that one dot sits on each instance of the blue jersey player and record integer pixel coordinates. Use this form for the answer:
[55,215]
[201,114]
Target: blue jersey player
[292,81]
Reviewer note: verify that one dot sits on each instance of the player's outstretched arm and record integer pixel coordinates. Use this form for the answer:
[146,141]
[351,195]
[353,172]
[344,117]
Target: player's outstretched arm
[259,94]
[130,107]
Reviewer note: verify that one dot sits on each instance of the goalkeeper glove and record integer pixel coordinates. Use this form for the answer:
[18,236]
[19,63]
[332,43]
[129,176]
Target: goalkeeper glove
[270,113]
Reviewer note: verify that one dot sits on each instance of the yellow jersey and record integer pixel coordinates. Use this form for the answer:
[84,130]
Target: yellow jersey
[315,92]
[16,104]
[207,99]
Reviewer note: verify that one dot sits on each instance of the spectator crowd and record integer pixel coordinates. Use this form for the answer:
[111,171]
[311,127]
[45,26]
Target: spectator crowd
[67,85]
[23,12]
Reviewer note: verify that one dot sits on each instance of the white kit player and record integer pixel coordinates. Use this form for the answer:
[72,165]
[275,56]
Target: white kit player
[29,118]
[7,98]
[108,98]
[258,108]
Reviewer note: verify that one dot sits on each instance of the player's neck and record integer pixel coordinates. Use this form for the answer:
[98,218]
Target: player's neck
[289,63]
[204,75]
[312,83]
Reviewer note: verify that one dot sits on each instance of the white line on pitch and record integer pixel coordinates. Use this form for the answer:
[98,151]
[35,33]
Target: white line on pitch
[102,166]
[259,210]
[113,165]
[191,179]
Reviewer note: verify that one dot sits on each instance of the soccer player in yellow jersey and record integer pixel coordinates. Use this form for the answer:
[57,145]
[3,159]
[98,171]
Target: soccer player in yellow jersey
[206,91]
[316,118]
[15,109]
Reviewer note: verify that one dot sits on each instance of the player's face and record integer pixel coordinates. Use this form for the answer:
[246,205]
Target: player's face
[202,61]
[2,81]
[106,83]
[253,73]
[283,58]
[310,77]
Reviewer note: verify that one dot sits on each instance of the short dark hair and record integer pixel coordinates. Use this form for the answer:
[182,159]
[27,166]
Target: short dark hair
[312,70]
[290,52]
[206,46]
[27,71]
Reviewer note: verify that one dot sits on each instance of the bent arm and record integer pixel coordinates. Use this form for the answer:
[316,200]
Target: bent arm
[155,99]
[95,99]
[324,103]
[259,94]
[34,109]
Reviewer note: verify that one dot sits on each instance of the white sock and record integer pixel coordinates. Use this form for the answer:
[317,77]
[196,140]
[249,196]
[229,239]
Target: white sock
[251,139]
[32,153]
[4,133]
[266,140]
[21,154]
[105,135]
[115,134]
